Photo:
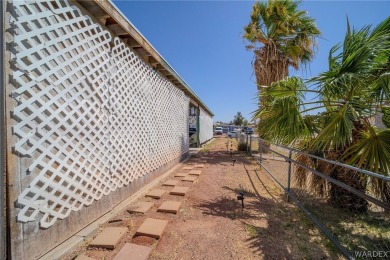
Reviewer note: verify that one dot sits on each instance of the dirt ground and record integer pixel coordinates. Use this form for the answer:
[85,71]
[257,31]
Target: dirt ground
[211,223]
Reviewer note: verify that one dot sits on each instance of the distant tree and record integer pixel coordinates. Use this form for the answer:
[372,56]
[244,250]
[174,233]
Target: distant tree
[238,119]
[245,122]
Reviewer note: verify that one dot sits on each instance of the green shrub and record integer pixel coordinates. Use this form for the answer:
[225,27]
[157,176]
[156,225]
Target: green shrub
[242,146]
[386,116]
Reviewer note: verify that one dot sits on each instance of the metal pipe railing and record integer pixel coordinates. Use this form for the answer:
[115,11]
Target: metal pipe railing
[334,181]
[293,194]
[372,174]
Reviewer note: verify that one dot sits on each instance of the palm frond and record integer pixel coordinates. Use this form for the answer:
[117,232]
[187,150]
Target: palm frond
[280,117]
[371,151]
[338,132]
[381,88]
[282,36]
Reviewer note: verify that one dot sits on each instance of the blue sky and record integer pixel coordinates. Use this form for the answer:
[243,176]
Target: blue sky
[202,40]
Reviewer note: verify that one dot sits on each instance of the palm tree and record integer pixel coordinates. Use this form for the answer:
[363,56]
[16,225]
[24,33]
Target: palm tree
[281,36]
[355,88]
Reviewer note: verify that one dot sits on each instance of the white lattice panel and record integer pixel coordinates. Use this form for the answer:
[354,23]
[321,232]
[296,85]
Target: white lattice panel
[91,114]
[206,126]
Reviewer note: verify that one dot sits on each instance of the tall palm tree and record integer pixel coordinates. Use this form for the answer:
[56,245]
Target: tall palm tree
[355,88]
[281,36]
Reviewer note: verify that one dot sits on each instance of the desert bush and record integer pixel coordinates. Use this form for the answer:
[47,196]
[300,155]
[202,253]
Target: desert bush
[242,146]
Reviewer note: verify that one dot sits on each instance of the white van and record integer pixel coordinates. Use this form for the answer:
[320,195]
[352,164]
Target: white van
[218,130]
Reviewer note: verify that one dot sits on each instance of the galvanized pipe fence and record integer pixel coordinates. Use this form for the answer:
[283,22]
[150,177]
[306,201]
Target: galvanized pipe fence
[340,200]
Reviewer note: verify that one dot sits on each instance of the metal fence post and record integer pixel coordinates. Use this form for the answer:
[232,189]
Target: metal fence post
[289,176]
[246,140]
[250,145]
[260,150]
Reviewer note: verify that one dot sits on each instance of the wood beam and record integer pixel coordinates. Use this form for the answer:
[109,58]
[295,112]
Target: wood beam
[153,61]
[133,43]
[117,29]
[143,53]
[98,12]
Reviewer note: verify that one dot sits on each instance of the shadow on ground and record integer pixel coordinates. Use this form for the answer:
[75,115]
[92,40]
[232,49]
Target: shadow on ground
[355,231]
[274,227]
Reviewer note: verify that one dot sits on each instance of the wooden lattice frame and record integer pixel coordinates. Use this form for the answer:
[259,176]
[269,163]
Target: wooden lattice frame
[90,114]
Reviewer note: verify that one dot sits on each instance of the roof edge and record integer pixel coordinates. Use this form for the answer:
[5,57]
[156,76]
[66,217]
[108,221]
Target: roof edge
[107,13]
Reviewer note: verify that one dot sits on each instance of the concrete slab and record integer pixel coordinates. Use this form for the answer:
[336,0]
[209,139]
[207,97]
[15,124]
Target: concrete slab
[140,207]
[84,257]
[190,178]
[155,194]
[170,183]
[170,207]
[180,191]
[188,168]
[180,174]
[152,228]
[109,237]
[195,172]
[66,247]
[89,231]
[133,252]
[199,166]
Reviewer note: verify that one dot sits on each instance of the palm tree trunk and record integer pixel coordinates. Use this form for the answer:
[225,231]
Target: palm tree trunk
[342,198]
[269,66]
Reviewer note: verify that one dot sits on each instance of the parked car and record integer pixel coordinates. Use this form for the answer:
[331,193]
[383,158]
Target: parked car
[225,129]
[249,130]
[218,130]
[192,131]
[230,127]
[232,134]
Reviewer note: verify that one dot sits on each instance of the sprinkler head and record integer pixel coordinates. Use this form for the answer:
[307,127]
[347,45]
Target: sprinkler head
[241,197]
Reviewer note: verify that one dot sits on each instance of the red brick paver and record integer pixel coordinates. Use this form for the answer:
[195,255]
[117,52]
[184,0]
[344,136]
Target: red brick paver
[133,252]
[152,228]
[109,237]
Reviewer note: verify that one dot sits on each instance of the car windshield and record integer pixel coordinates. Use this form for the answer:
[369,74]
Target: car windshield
[218,128]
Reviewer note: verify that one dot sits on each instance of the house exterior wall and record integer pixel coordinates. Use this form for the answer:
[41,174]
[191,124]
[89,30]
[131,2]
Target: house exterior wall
[88,122]
[206,126]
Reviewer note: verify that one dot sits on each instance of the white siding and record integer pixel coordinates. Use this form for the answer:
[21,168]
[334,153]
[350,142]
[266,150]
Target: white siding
[206,126]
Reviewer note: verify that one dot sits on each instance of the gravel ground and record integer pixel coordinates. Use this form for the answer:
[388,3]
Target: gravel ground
[211,223]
